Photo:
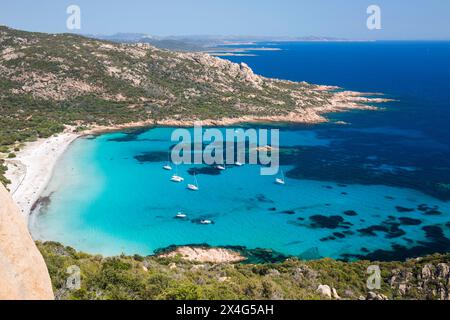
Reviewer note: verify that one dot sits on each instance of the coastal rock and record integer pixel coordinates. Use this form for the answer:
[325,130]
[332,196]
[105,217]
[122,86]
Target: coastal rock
[427,272]
[273,273]
[24,275]
[430,281]
[172,266]
[325,291]
[443,270]
[376,296]
[305,273]
[335,294]
[205,255]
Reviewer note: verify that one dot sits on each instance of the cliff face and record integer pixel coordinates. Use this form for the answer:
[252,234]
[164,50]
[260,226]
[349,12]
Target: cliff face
[23,273]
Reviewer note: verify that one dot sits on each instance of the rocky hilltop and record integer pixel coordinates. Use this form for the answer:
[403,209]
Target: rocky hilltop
[23,271]
[51,80]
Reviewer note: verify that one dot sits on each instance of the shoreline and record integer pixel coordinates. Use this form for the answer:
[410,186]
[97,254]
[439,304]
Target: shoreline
[32,168]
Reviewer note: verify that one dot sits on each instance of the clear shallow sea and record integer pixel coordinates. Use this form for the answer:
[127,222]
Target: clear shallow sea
[366,190]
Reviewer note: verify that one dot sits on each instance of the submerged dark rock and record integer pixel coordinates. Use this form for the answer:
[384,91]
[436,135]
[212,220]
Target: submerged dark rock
[210,171]
[429,211]
[130,135]
[324,222]
[433,212]
[408,240]
[436,242]
[154,156]
[403,209]
[409,221]
[263,199]
[433,232]
[350,213]
[391,229]
[371,231]
[345,162]
[339,235]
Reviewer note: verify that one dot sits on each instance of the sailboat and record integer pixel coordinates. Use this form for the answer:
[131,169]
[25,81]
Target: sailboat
[168,167]
[176,178]
[181,215]
[220,167]
[281,180]
[194,187]
[239,157]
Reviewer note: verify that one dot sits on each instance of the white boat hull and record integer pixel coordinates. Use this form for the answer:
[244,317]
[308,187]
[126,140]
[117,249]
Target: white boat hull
[177,179]
[192,187]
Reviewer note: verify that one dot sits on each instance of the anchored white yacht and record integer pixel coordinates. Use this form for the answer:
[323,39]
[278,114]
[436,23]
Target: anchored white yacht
[168,167]
[281,180]
[194,187]
[181,215]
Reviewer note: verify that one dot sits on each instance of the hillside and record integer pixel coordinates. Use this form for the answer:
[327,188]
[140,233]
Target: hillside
[48,81]
[151,278]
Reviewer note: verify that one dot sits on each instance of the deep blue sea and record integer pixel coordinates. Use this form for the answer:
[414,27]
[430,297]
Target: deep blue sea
[377,188]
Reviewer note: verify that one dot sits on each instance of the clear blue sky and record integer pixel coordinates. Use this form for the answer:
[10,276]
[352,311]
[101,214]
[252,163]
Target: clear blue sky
[401,19]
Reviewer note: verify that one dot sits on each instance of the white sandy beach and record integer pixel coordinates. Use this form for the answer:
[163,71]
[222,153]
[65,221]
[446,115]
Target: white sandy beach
[32,169]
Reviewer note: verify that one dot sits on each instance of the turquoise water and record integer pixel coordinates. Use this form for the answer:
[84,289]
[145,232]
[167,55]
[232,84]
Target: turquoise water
[368,190]
[103,200]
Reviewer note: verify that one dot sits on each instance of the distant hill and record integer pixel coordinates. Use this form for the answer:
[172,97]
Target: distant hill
[200,42]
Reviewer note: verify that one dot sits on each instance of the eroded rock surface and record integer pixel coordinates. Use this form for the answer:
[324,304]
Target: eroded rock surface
[23,273]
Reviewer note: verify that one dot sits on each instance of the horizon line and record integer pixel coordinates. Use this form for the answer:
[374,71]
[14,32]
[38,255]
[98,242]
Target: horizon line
[253,38]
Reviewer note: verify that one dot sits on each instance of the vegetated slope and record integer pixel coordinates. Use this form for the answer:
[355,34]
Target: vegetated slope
[47,81]
[139,277]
